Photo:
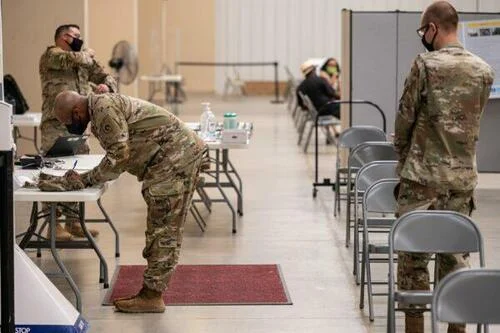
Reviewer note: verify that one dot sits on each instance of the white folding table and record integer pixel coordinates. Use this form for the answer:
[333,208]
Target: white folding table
[168,80]
[93,194]
[223,166]
[29,119]
[34,195]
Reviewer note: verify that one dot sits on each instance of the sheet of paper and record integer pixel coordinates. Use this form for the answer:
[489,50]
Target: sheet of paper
[483,39]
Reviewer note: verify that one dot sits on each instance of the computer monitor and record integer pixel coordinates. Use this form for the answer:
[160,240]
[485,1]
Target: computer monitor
[66,145]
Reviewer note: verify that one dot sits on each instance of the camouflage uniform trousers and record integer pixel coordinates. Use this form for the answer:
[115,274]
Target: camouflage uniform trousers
[168,203]
[413,273]
[51,130]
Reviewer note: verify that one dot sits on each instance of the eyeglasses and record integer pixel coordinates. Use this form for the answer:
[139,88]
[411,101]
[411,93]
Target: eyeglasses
[422,30]
[75,37]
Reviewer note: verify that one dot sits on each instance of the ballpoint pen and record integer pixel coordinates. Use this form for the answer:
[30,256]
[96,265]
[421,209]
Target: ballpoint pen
[74,164]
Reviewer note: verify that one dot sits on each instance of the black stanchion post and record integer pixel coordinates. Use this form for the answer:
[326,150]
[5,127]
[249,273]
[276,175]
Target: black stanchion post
[276,85]
[327,182]
[7,242]
[316,166]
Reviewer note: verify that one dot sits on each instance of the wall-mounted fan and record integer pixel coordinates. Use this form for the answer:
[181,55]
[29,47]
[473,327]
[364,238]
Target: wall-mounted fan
[124,62]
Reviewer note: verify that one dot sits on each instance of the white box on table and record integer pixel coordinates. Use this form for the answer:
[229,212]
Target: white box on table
[234,136]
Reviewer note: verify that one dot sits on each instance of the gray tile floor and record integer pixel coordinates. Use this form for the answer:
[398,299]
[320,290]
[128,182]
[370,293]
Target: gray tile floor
[282,224]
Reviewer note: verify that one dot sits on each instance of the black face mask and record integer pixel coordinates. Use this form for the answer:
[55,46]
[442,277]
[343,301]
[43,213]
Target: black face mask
[429,46]
[76,127]
[76,44]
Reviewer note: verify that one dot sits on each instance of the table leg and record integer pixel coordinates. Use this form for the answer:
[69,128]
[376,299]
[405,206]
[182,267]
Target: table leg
[57,259]
[205,198]
[42,228]
[32,227]
[108,220]
[176,92]
[35,139]
[197,217]
[151,91]
[219,187]
[227,172]
[16,134]
[167,93]
[103,268]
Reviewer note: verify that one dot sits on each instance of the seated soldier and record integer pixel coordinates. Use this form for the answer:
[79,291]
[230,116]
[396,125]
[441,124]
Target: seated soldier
[154,145]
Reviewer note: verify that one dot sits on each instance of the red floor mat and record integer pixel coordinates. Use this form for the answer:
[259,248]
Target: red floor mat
[209,285]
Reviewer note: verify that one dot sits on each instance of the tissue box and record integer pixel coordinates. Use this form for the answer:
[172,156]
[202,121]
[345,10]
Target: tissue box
[234,136]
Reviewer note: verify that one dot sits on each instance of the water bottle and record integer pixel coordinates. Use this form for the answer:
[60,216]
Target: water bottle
[205,112]
[208,124]
[212,126]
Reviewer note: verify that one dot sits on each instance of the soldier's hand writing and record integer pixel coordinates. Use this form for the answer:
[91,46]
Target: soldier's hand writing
[72,175]
[102,89]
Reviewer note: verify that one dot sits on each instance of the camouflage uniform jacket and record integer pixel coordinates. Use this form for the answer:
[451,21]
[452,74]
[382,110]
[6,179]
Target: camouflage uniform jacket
[437,125]
[66,70]
[134,133]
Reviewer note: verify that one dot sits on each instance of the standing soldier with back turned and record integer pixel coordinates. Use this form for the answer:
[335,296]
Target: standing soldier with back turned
[437,128]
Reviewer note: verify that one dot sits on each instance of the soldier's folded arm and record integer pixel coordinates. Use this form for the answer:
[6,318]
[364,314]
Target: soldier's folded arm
[408,109]
[113,137]
[98,75]
[60,59]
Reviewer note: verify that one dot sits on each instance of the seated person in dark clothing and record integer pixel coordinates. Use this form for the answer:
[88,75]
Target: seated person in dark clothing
[319,91]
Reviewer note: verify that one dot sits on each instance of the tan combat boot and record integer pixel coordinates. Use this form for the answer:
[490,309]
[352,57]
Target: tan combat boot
[456,328]
[414,323]
[146,300]
[61,234]
[76,230]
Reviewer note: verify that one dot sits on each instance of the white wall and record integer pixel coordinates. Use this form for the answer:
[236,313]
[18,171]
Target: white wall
[290,31]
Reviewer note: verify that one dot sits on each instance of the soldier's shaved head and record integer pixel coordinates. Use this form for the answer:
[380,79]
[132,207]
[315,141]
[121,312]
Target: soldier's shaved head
[67,103]
[443,14]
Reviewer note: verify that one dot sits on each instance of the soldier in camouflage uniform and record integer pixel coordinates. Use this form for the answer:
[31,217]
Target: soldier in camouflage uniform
[436,130]
[154,145]
[64,66]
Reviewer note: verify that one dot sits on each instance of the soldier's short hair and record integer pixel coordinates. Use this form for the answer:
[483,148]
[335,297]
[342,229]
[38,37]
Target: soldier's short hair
[63,29]
[443,14]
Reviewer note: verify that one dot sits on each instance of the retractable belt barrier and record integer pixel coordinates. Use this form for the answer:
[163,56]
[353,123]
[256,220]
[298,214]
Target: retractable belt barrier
[239,64]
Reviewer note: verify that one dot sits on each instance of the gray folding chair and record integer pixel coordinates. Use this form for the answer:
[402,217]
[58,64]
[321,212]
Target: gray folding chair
[234,85]
[349,139]
[298,112]
[303,117]
[291,86]
[362,154]
[423,232]
[366,176]
[377,199]
[324,122]
[468,296]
